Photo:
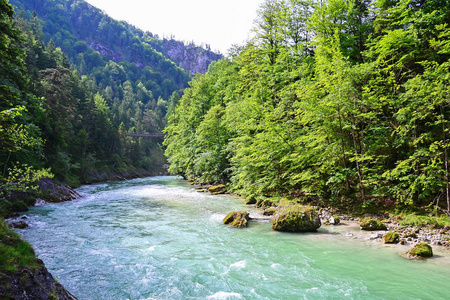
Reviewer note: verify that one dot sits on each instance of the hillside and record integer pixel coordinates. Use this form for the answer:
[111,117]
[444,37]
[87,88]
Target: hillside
[86,82]
[338,103]
[82,30]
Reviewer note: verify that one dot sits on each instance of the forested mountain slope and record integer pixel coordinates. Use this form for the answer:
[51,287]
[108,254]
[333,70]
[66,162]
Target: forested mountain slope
[90,38]
[339,102]
[67,109]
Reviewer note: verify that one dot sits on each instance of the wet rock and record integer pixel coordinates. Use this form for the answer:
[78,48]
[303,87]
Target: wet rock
[376,236]
[296,219]
[391,237]
[333,220]
[420,251]
[18,225]
[218,189]
[371,224]
[237,219]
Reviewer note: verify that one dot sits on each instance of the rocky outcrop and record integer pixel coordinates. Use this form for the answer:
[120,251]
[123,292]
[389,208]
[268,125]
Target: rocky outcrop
[32,283]
[190,57]
[420,251]
[296,219]
[51,191]
[237,219]
[371,224]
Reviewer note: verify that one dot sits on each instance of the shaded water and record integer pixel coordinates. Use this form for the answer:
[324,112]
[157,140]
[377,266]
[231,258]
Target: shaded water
[157,238]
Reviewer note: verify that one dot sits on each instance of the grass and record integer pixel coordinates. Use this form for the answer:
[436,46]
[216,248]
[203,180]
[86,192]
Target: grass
[413,219]
[14,252]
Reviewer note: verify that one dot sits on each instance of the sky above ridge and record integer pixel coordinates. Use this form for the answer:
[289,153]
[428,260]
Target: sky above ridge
[218,23]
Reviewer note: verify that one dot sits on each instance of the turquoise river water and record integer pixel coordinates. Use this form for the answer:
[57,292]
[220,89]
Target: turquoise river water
[157,238]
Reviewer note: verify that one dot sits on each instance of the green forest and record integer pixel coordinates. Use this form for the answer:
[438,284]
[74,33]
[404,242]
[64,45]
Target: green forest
[339,102]
[67,110]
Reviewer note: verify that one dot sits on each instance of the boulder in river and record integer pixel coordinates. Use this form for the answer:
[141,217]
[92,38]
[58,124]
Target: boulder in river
[18,225]
[218,189]
[391,237]
[371,224]
[296,218]
[237,219]
[420,251]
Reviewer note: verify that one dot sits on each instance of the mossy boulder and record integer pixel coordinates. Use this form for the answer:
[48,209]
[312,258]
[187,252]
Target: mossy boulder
[264,203]
[237,219]
[420,251]
[295,218]
[371,224]
[391,237]
[269,211]
[218,189]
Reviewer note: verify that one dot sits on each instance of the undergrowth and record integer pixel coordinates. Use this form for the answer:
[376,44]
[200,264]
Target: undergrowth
[413,219]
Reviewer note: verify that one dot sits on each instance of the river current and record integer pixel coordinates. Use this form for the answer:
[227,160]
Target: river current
[158,238]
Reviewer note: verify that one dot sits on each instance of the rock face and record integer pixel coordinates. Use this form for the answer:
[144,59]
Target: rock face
[237,219]
[391,238]
[296,219]
[218,189]
[30,284]
[420,251]
[53,192]
[372,224]
[192,58]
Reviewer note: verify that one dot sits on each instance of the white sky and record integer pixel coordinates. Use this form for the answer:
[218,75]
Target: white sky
[215,22]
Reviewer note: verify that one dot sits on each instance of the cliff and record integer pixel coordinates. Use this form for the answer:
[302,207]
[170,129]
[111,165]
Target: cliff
[190,57]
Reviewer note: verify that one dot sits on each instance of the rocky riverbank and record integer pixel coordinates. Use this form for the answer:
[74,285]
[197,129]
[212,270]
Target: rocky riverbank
[32,283]
[23,276]
[408,234]
[436,236]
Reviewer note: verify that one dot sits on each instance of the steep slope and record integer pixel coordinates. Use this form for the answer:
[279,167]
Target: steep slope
[76,25]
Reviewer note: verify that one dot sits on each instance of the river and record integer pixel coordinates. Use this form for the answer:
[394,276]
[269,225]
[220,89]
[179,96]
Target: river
[157,238]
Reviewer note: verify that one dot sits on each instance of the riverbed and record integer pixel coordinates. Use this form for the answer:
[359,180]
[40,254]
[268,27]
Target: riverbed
[158,238]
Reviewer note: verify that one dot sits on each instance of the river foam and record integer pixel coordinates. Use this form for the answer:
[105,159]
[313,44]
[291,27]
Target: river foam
[157,238]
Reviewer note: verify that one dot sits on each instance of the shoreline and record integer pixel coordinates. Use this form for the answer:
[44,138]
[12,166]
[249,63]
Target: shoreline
[410,235]
[349,229]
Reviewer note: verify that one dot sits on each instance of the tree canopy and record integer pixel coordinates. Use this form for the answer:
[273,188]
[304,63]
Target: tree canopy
[338,101]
